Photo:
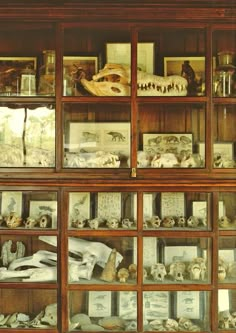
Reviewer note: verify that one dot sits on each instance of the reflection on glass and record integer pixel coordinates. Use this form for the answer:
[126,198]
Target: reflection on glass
[176,260]
[102,260]
[227,309]
[102,210]
[176,311]
[175,210]
[103,310]
[27,136]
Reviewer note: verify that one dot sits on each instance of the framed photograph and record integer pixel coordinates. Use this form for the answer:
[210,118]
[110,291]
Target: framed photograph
[156,304]
[79,205]
[92,137]
[172,204]
[39,208]
[99,303]
[109,205]
[11,202]
[225,149]
[167,142]
[127,305]
[120,53]
[192,68]
[11,69]
[180,253]
[188,304]
[199,209]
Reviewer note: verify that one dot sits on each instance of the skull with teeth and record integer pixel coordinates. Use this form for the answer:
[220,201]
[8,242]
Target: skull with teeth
[115,80]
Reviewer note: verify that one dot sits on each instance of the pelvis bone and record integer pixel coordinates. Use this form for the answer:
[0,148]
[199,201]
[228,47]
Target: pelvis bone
[115,80]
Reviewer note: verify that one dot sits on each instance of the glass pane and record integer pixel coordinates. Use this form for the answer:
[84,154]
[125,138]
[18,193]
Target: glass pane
[95,61]
[102,260]
[103,310]
[27,136]
[97,135]
[28,309]
[175,210]
[176,260]
[171,136]
[227,209]
[224,155]
[28,209]
[34,260]
[227,309]
[227,262]
[102,210]
[176,311]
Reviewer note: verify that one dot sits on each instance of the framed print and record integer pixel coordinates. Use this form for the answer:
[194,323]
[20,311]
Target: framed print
[149,251]
[120,53]
[228,255]
[91,137]
[11,69]
[11,202]
[168,142]
[109,205]
[156,305]
[188,304]
[180,253]
[192,68]
[225,149]
[172,204]
[89,65]
[199,209]
[79,205]
[39,208]
[99,303]
[127,305]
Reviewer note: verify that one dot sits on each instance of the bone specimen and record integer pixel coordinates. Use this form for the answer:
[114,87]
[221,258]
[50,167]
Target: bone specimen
[50,315]
[109,271]
[177,271]
[123,275]
[158,272]
[13,220]
[8,256]
[115,80]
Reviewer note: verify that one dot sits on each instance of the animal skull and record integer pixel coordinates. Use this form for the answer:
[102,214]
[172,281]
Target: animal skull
[193,222]
[168,222]
[50,315]
[155,221]
[30,223]
[177,271]
[158,271]
[115,80]
[197,269]
[113,223]
[13,220]
[78,223]
[224,319]
[126,223]
[224,222]
[181,221]
[45,221]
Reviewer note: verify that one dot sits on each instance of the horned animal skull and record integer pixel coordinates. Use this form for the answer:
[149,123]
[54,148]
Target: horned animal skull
[115,80]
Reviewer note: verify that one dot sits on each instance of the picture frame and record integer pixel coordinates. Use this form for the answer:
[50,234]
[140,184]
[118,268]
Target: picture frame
[11,69]
[109,205]
[150,255]
[11,202]
[172,204]
[92,137]
[228,255]
[224,300]
[38,208]
[199,209]
[225,149]
[79,205]
[156,304]
[180,253]
[127,305]
[120,53]
[175,66]
[167,142]
[188,304]
[99,303]
[88,63]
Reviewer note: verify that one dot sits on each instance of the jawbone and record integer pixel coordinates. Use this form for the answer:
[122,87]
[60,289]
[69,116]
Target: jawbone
[116,81]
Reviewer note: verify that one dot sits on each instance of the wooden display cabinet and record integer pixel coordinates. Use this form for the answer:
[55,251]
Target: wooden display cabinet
[117,166]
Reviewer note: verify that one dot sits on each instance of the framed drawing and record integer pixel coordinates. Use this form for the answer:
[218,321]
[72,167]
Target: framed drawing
[168,142]
[156,305]
[188,304]
[180,253]
[172,204]
[199,209]
[87,64]
[109,205]
[79,205]
[149,251]
[99,303]
[11,69]
[11,202]
[127,305]
[39,208]
[192,68]
[120,53]
[92,137]
[225,149]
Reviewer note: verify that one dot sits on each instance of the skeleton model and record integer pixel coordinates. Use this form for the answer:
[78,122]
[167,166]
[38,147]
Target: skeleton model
[117,82]
[44,262]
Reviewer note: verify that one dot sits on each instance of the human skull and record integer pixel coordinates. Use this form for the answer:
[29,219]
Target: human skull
[158,271]
[50,315]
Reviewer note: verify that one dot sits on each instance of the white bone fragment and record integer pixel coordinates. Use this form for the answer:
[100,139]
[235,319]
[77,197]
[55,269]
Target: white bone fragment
[8,256]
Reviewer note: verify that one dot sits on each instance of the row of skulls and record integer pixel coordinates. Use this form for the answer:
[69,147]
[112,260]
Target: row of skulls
[13,220]
[170,222]
[178,271]
[111,223]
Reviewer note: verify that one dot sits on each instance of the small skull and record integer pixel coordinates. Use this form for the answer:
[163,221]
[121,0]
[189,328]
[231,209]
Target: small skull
[168,222]
[13,220]
[126,223]
[177,271]
[155,221]
[123,275]
[193,222]
[30,222]
[113,223]
[45,221]
[181,221]
[78,224]
[158,272]
[50,315]
[197,269]
[224,222]
[94,223]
